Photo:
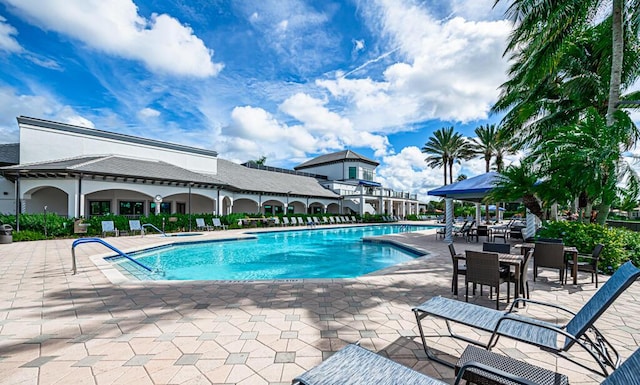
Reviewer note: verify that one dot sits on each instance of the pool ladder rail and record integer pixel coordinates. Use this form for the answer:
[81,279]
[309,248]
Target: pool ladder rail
[153,227]
[102,242]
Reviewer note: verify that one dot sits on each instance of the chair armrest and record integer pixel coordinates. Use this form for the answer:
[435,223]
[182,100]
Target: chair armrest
[533,301]
[492,370]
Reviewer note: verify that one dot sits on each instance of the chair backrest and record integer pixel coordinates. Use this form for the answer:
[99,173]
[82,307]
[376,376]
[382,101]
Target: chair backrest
[549,240]
[452,250]
[276,220]
[108,226]
[483,268]
[597,249]
[504,248]
[600,301]
[332,220]
[627,373]
[325,220]
[469,227]
[300,221]
[134,225]
[483,231]
[285,220]
[217,223]
[549,255]
[200,222]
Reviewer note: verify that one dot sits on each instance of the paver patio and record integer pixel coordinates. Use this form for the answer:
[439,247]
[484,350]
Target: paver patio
[98,328]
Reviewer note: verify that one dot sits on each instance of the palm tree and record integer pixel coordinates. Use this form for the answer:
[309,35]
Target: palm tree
[544,26]
[557,83]
[519,182]
[444,147]
[483,146]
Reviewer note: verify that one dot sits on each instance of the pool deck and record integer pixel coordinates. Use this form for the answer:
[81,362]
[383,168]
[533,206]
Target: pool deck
[97,327]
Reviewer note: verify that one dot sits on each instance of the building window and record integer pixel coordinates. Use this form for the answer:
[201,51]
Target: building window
[99,207]
[367,175]
[165,208]
[353,173]
[131,208]
[181,208]
[268,209]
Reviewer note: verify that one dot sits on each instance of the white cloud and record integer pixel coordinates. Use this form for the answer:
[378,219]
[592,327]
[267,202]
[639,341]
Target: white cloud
[451,70]
[162,43]
[407,171]
[7,40]
[148,112]
[37,105]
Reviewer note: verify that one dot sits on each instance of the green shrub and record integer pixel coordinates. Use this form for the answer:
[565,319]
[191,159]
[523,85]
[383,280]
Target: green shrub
[620,245]
[27,235]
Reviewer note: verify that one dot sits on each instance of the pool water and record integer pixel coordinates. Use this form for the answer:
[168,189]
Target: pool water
[316,253]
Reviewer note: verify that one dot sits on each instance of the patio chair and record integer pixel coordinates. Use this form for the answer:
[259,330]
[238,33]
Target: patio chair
[355,365]
[201,225]
[504,248]
[332,220]
[217,224]
[484,269]
[550,255]
[108,227]
[285,221]
[325,221]
[580,329]
[457,269]
[480,231]
[587,263]
[134,225]
[301,221]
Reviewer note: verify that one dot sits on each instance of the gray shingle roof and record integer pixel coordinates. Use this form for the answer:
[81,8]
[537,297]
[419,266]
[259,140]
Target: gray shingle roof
[231,175]
[115,165]
[250,179]
[334,158]
[9,154]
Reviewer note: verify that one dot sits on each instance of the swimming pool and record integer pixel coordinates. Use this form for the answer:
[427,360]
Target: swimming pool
[316,253]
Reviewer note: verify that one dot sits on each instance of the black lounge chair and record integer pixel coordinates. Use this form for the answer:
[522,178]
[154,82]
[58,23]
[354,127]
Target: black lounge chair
[579,330]
[354,365]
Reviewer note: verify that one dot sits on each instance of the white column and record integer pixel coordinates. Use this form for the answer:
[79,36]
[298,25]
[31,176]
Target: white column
[554,211]
[448,209]
[478,213]
[531,224]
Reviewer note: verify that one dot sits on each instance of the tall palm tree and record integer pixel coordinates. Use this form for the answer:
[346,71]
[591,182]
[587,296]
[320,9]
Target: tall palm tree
[459,150]
[519,182]
[556,85]
[542,28]
[444,147]
[483,144]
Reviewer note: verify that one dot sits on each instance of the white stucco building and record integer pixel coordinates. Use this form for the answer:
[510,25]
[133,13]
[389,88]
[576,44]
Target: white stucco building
[80,172]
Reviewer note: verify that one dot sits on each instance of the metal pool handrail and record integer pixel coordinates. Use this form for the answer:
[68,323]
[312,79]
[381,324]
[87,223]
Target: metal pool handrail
[98,240]
[153,227]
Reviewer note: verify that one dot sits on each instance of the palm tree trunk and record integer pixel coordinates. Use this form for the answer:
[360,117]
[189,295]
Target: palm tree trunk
[617,56]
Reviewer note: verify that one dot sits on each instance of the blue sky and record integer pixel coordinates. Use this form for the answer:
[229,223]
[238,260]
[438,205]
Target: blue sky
[288,80]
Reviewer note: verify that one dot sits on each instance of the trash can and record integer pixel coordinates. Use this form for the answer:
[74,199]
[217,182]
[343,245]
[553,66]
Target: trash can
[6,235]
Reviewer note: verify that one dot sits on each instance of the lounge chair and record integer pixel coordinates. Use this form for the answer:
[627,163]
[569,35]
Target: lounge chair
[301,221]
[338,220]
[325,221]
[134,225]
[108,227]
[354,365]
[202,226]
[354,219]
[316,221]
[285,221]
[217,224]
[332,220]
[579,330]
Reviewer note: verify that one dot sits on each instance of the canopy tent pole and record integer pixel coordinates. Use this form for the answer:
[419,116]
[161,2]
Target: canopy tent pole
[448,234]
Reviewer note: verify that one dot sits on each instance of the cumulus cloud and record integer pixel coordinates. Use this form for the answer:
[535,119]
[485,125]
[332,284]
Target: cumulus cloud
[8,41]
[451,69]
[161,42]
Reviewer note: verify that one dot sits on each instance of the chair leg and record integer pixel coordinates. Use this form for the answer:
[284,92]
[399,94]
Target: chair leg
[466,291]
[596,274]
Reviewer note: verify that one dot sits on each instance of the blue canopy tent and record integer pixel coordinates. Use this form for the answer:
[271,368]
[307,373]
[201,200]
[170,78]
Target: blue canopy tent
[472,189]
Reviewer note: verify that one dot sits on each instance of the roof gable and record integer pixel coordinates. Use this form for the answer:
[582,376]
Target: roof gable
[336,157]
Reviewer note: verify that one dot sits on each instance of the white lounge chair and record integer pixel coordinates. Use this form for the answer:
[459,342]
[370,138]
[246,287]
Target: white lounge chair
[301,221]
[134,225]
[109,227]
[325,221]
[201,225]
[217,224]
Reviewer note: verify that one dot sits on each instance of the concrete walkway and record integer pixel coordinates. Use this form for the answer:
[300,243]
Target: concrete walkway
[98,328]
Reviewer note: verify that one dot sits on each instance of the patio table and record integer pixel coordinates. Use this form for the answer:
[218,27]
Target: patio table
[525,247]
[515,260]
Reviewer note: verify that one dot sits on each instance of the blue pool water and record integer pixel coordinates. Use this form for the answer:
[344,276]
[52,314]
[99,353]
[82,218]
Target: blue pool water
[317,253]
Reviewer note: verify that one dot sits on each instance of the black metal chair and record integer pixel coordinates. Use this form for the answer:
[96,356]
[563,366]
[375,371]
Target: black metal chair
[457,269]
[484,269]
[549,255]
[587,263]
